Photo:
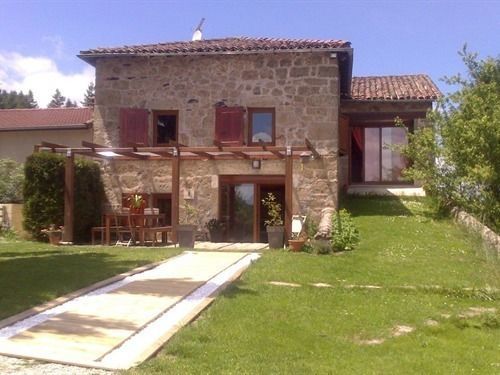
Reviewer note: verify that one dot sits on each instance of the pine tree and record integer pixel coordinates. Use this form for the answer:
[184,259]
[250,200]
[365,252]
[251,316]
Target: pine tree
[31,101]
[13,99]
[57,100]
[70,104]
[88,100]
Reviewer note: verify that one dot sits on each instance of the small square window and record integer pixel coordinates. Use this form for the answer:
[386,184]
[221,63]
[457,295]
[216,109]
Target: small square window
[261,126]
[165,125]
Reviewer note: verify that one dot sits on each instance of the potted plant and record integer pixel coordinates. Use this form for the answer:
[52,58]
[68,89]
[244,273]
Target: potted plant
[274,223]
[54,234]
[216,229]
[186,231]
[297,241]
[136,203]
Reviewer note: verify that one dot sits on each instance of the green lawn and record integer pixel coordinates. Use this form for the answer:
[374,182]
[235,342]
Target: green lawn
[410,269]
[32,273]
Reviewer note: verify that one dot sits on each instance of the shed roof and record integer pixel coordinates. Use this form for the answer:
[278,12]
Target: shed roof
[45,118]
[391,88]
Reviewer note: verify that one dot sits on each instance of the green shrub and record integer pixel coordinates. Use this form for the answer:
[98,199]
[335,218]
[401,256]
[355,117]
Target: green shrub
[44,195]
[11,181]
[345,235]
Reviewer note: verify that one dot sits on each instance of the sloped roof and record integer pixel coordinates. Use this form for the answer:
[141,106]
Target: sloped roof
[45,119]
[403,87]
[218,46]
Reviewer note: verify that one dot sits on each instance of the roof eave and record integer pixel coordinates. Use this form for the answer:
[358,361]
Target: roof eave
[90,58]
[49,127]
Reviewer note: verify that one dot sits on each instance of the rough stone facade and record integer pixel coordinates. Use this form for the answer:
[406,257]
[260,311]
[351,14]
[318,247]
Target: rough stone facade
[303,88]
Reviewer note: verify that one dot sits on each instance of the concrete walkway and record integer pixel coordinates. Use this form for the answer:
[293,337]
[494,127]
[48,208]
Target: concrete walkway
[122,323]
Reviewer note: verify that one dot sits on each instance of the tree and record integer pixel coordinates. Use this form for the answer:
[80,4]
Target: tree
[88,100]
[13,99]
[57,100]
[458,158]
[70,104]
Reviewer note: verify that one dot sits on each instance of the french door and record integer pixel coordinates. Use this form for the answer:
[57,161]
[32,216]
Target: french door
[241,209]
[374,154]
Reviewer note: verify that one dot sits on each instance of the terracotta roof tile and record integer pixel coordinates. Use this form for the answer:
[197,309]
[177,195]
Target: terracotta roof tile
[404,87]
[223,45]
[47,118]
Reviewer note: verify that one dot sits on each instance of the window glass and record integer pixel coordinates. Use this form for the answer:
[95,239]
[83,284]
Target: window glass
[166,128]
[261,126]
[372,154]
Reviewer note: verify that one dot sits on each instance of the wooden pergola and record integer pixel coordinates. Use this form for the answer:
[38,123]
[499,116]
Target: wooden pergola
[175,153]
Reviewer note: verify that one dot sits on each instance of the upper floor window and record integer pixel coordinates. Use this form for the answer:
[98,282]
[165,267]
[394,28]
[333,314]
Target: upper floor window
[261,126]
[165,127]
[229,125]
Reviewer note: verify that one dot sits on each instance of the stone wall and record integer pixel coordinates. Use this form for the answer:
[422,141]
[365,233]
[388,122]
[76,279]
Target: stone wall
[302,87]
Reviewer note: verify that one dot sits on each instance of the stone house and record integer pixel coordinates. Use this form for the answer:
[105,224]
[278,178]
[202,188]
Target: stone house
[246,117]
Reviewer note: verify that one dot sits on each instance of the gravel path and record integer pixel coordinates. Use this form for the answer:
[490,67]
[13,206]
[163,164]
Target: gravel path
[17,366]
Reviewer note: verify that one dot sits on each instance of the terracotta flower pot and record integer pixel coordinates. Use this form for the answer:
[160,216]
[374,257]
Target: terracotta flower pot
[296,245]
[55,237]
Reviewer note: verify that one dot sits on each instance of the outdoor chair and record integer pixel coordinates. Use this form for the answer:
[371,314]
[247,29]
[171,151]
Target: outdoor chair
[101,230]
[126,234]
[155,227]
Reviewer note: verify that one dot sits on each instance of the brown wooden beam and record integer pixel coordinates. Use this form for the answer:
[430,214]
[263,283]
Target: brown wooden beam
[53,146]
[241,154]
[176,169]
[69,197]
[311,148]
[204,154]
[275,152]
[288,195]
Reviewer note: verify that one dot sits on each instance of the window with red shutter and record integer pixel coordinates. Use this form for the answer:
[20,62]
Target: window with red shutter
[229,125]
[134,126]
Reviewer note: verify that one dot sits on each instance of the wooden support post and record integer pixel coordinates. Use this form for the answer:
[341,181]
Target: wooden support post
[69,197]
[176,163]
[288,193]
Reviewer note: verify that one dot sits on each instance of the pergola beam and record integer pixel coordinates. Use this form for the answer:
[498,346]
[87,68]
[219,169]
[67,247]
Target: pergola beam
[311,148]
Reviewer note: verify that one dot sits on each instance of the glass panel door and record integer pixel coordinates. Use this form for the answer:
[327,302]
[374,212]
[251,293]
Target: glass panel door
[237,211]
[372,154]
[392,161]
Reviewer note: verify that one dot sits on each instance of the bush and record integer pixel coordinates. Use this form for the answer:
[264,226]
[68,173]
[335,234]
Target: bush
[345,235]
[44,195]
[11,181]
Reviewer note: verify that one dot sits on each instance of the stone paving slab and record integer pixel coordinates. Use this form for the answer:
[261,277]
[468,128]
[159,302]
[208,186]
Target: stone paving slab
[88,330]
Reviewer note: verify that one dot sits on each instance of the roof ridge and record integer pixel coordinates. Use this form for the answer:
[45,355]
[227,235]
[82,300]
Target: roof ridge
[43,109]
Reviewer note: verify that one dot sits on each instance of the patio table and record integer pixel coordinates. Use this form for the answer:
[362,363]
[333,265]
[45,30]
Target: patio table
[145,221]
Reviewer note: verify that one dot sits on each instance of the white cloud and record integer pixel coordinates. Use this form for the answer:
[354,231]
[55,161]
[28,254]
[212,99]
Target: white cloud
[42,76]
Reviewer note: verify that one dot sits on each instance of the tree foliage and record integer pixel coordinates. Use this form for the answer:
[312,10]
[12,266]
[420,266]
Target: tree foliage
[14,99]
[70,104]
[44,194]
[57,101]
[88,100]
[458,158]
[11,181]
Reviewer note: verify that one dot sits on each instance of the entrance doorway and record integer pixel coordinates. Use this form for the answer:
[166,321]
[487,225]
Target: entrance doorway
[241,208]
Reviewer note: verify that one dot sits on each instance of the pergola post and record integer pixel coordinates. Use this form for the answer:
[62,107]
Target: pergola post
[175,192]
[288,193]
[69,197]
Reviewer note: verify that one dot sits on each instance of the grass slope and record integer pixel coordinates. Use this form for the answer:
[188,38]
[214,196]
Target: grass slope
[32,273]
[427,269]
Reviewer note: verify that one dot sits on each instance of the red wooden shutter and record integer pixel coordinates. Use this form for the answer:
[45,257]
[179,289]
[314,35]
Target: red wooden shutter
[229,125]
[133,126]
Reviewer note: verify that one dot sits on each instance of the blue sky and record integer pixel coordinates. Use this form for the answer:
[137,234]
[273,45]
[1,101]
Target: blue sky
[39,40]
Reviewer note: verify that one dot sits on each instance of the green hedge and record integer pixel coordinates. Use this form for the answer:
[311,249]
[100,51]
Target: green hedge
[11,181]
[44,195]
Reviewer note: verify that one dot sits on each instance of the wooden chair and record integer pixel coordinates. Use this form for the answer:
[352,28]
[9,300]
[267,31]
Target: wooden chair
[126,234]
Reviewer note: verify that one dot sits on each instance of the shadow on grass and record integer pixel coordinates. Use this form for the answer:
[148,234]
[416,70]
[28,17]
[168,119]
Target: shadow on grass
[237,289]
[29,281]
[14,254]
[375,206]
